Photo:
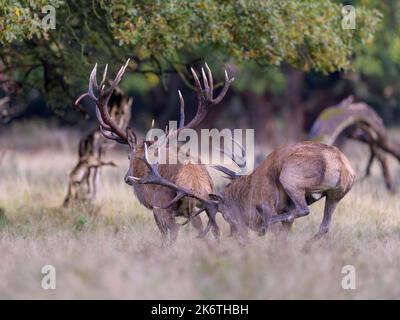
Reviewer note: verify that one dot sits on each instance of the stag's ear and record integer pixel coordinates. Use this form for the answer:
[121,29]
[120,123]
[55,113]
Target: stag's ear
[131,137]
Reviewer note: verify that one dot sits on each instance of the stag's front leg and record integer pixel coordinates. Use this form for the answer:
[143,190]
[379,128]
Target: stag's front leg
[197,224]
[166,223]
[265,212]
[211,225]
[195,220]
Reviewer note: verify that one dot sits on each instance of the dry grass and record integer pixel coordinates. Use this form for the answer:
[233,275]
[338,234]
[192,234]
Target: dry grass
[115,252]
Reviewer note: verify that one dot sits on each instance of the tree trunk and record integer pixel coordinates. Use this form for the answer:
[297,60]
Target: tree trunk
[294,112]
[261,118]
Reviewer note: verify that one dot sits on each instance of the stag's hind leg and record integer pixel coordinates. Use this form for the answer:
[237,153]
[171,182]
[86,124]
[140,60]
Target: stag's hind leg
[300,208]
[330,206]
[287,224]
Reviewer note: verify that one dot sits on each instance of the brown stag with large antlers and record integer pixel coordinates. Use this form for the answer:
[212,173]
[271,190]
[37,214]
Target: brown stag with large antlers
[165,202]
[279,190]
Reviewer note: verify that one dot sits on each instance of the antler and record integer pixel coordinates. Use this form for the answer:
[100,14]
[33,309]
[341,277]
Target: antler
[239,160]
[108,126]
[205,97]
[154,177]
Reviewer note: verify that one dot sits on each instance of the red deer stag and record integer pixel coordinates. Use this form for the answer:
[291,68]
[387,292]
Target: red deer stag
[279,190]
[165,202]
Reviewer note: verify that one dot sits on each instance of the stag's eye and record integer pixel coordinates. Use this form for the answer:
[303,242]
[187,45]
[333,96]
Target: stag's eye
[129,157]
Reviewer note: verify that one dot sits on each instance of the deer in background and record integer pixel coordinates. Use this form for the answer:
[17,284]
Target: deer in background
[279,190]
[84,177]
[165,202]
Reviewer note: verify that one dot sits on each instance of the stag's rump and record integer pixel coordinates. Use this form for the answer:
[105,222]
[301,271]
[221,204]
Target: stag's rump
[315,168]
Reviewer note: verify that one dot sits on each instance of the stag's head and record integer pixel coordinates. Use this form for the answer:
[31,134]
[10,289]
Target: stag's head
[113,130]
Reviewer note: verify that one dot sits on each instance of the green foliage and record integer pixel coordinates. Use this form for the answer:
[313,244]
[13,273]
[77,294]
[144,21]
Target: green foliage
[306,34]
[139,83]
[165,36]
[20,20]
[260,80]
[378,63]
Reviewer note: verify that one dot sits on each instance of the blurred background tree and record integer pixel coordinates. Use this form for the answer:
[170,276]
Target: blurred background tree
[291,58]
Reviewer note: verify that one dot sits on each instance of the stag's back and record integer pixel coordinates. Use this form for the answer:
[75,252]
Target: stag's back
[308,166]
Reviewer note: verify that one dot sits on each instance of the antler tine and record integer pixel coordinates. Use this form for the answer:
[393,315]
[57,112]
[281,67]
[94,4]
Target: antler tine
[240,163]
[182,110]
[103,125]
[229,173]
[108,127]
[244,155]
[77,101]
[206,86]
[117,79]
[93,83]
[197,81]
[232,156]
[109,135]
[225,88]
[104,76]
[210,77]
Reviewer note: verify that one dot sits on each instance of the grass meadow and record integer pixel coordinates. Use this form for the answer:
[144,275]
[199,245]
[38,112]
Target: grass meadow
[114,250]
